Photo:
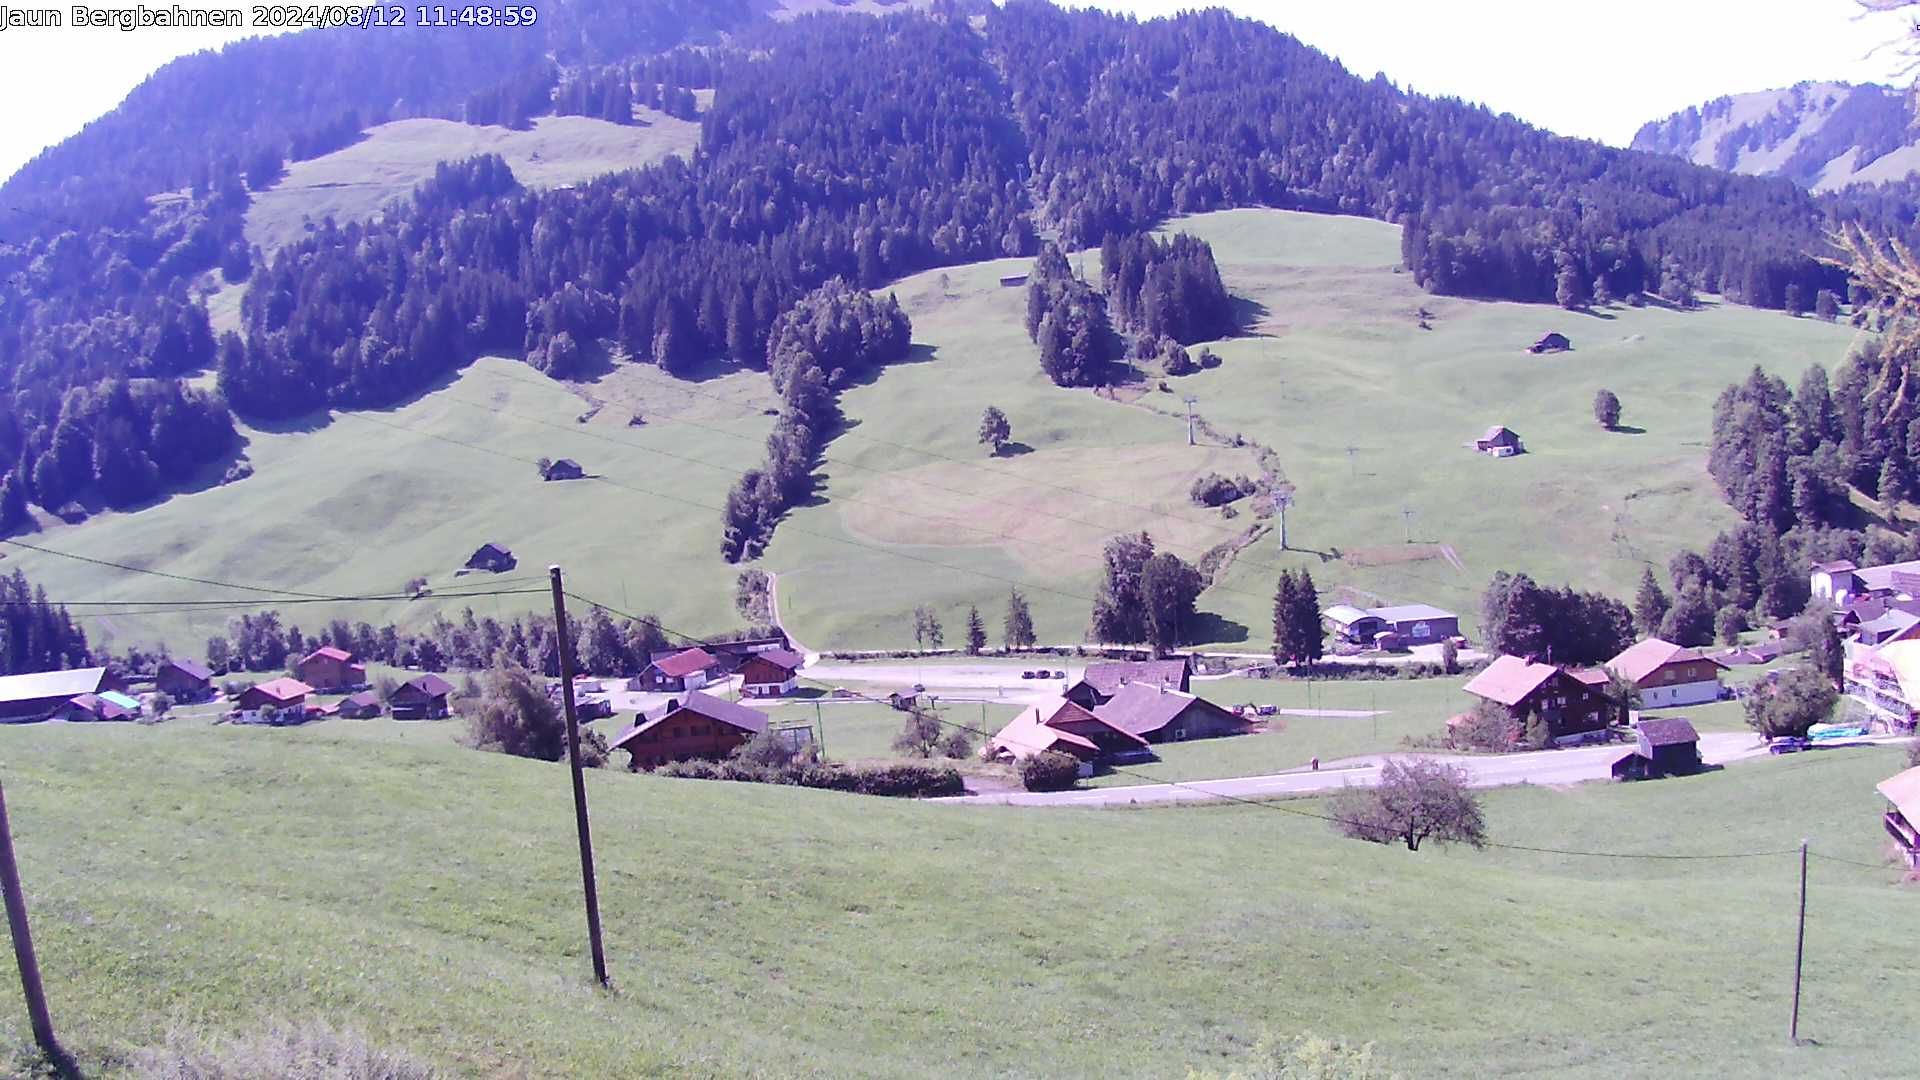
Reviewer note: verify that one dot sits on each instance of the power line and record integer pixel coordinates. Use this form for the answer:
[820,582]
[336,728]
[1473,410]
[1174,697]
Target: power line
[163,574]
[1264,804]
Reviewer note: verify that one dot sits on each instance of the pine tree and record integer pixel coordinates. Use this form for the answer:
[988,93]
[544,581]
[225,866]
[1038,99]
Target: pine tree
[1285,605]
[1017,629]
[976,631]
[1650,605]
[1309,632]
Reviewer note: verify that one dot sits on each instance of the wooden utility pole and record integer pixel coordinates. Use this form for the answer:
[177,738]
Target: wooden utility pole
[1799,950]
[579,781]
[23,942]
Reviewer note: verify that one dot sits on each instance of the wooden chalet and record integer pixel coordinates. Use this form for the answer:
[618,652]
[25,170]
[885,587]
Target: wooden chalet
[1572,708]
[1041,726]
[772,673]
[1499,441]
[328,668]
[695,726]
[1902,819]
[1667,674]
[1158,715]
[364,705]
[1104,679]
[184,680]
[688,669]
[423,697]
[280,694]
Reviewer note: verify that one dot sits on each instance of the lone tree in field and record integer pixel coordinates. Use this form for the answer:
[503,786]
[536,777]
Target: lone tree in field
[515,716]
[976,631]
[1802,698]
[1416,800]
[1606,409]
[1826,305]
[1169,587]
[995,430]
[1016,631]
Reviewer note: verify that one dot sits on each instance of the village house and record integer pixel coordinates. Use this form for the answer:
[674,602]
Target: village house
[564,469]
[492,558]
[284,696]
[1038,727]
[328,669]
[1841,583]
[1571,708]
[1662,747]
[1668,675]
[37,695]
[688,669]
[184,680]
[364,705]
[695,726]
[1158,715]
[1882,685]
[1104,679]
[423,697]
[1499,441]
[772,673]
[106,705]
[1902,819]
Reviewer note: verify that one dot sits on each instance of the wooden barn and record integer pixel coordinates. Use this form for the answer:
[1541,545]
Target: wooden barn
[1553,342]
[1499,441]
[184,680]
[1158,715]
[771,673]
[695,726]
[1102,680]
[564,469]
[1662,747]
[37,695]
[492,558]
[688,669]
[1572,708]
[327,668]
[423,697]
[364,705]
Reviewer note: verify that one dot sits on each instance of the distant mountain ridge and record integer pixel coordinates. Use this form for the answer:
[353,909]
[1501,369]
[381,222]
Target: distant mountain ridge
[1821,135]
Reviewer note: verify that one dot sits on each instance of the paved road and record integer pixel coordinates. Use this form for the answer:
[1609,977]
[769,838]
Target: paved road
[1544,767]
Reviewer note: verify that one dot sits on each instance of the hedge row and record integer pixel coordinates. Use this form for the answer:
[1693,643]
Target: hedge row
[901,779]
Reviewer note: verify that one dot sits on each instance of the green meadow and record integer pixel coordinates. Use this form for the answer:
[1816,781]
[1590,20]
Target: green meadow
[187,877]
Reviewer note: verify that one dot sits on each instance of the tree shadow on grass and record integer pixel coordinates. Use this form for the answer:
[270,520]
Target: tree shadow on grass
[1211,628]
[1014,449]
[1247,314]
[1627,429]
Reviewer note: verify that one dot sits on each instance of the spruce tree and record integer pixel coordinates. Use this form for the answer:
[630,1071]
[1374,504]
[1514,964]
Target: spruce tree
[976,631]
[1309,635]
[1285,605]
[1650,605]
[1017,629]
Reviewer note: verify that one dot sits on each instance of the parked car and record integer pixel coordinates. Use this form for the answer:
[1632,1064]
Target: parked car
[1789,744]
[1026,674]
[1059,674]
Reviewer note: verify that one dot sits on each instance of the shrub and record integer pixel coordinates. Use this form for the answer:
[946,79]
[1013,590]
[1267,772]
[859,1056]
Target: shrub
[1487,727]
[901,779]
[311,1048]
[1214,489]
[1305,1057]
[1208,360]
[958,745]
[1049,771]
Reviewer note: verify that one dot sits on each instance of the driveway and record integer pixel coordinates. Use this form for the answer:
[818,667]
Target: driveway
[1540,767]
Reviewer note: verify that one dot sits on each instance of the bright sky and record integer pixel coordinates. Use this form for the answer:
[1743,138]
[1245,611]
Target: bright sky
[1598,71]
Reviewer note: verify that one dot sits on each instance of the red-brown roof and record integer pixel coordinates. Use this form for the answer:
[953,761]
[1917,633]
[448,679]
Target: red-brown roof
[784,659]
[1107,677]
[284,689]
[1667,732]
[685,662]
[190,668]
[720,711]
[330,653]
[429,685]
[1025,736]
[1510,680]
[1140,709]
[1643,658]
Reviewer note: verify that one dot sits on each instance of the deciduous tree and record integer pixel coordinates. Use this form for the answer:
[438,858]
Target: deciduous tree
[1415,800]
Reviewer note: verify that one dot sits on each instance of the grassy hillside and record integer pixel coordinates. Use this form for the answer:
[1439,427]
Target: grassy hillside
[912,511]
[207,877]
[354,183]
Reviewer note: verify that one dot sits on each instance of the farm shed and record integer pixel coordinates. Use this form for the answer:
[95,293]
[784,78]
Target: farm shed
[184,680]
[103,706]
[564,469]
[364,705]
[1102,680]
[493,558]
[696,726]
[1009,281]
[1663,747]
[1570,707]
[1667,674]
[328,668]
[1499,441]
[1157,714]
[36,696]
[1418,623]
[1553,342]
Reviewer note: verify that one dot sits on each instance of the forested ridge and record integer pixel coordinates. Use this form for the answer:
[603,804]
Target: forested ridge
[836,147]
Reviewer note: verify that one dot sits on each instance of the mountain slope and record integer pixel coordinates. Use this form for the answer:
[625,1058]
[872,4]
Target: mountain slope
[1820,135]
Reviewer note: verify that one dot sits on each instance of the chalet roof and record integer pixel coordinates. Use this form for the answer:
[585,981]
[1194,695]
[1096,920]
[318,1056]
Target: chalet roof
[1496,431]
[720,711]
[1409,612]
[1887,625]
[1877,578]
[1058,712]
[1510,680]
[1109,675]
[1903,791]
[566,463]
[51,684]
[98,705]
[685,662]
[1667,732]
[490,549]
[1840,566]
[1025,736]
[191,668]
[284,689]
[431,685]
[785,659]
[1643,658]
[1140,709]
[131,704]
[1592,676]
[362,699]
[328,652]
